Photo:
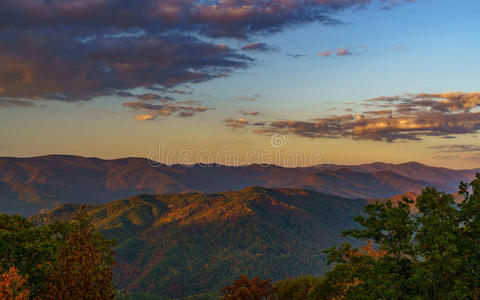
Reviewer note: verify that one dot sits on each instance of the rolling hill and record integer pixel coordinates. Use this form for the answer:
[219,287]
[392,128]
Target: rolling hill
[31,185]
[181,245]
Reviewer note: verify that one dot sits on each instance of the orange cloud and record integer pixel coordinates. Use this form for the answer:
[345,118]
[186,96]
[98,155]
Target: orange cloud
[336,52]
[152,108]
[144,117]
[409,117]
[325,53]
[236,123]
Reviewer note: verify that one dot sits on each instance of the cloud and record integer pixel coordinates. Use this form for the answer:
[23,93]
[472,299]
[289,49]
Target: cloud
[77,50]
[164,108]
[450,102]
[145,117]
[186,114]
[344,52]
[15,102]
[225,18]
[55,67]
[380,128]
[236,123]
[455,148]
[474,156]
[387,112]
[388,99]
[252,98]
[471,156]
[241,123]
[441,102]
[169,90]
[337,52]
[257,47]
[409,117]
[153,96]
[249,113]
[457,151]
[297,55]
[325,53]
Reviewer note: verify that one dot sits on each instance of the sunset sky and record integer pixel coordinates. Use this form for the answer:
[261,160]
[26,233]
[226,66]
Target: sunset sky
[357,80]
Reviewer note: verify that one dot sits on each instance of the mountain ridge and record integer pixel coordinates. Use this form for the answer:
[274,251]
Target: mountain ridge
[31,185]
[326,165]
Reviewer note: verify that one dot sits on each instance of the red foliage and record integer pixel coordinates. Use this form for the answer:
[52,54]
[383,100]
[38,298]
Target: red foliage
[245,288]
[13,286]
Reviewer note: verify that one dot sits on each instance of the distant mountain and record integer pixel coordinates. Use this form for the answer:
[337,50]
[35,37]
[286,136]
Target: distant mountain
[189,244]
[31,185]
[439,177]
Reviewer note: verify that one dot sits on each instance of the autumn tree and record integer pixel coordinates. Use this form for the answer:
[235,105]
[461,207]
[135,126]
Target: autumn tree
[83,268]
[245,288]
[13,286]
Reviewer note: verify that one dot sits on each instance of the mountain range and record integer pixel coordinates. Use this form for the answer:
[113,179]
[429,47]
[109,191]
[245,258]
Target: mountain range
[193,244]
[32,185]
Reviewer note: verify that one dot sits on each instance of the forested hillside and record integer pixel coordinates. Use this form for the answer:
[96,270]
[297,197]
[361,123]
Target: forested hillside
[189,244]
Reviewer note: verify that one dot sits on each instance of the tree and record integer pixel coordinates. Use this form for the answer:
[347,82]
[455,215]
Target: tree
[300,288]
[427,251]
[61,260]
[437,245]
[392,229]
[13,286]
[245,288]
[469,241]
[84,265]
[31,249]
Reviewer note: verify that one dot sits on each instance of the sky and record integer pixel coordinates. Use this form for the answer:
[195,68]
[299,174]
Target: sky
[290,82]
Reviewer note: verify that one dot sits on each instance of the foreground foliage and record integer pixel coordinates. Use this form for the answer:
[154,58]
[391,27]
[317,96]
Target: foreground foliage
[56,261]
[429,249]
[248,289]
[13,285]
[429,252]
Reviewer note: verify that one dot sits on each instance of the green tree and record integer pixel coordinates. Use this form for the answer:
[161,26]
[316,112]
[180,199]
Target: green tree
[469,238]
[59,256]
[30,249]
[392,229]
[300,288]
[427,251]
[437,245]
